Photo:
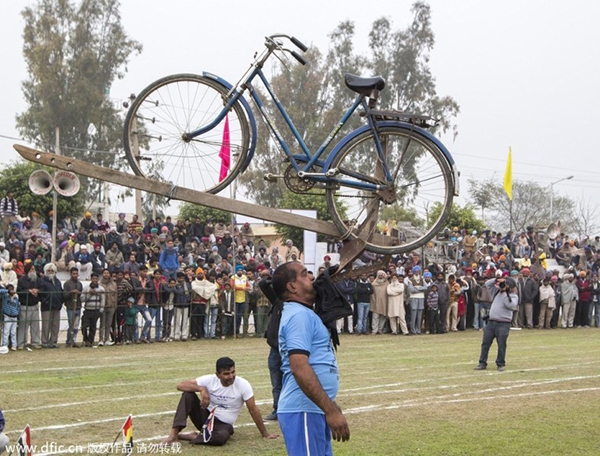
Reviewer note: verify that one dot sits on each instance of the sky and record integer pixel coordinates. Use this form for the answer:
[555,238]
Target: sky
[525,74]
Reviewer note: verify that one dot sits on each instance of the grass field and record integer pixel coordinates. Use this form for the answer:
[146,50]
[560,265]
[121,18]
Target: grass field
[401,395]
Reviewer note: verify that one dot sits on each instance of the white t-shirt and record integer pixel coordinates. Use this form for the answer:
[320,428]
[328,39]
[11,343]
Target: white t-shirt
[229,400]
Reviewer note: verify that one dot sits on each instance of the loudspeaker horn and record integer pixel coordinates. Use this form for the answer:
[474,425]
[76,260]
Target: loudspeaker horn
[66,183]
[40,182]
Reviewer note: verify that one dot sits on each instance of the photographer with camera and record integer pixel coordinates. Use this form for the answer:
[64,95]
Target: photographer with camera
[505,302]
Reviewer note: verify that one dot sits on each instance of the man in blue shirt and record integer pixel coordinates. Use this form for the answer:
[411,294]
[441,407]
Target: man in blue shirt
[307,412]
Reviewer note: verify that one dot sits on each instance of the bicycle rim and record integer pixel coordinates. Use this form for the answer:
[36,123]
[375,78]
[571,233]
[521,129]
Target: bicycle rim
[178,104]
[418,203]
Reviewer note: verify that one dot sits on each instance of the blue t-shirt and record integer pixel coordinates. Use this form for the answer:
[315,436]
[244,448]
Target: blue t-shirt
[302,330]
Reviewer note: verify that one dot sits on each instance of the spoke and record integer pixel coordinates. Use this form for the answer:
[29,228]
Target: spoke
[400,158]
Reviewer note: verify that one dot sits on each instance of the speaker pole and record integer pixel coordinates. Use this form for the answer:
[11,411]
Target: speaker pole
[55,203]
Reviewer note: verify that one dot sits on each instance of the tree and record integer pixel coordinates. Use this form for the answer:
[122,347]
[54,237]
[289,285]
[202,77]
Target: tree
[586,218]
[15,177]
[402,57]
[530,207]
[461,217]
[401,214]
[74,52]
[195,211]
[309,202]
[481,194]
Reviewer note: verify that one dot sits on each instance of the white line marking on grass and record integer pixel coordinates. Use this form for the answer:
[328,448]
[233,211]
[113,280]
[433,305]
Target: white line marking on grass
[414,403]
[107,420]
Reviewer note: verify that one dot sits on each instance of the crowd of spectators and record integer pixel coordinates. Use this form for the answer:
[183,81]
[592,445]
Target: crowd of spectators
[198,279]
[442,291]
[183,280]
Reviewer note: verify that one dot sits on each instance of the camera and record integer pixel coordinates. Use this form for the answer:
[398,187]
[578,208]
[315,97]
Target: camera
[502,285]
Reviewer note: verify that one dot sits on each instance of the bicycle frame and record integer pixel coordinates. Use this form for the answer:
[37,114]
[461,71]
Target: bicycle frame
[236,94]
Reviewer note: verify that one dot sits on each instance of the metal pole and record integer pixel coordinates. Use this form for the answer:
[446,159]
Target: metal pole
[551,201]
[55,202]
[552,194]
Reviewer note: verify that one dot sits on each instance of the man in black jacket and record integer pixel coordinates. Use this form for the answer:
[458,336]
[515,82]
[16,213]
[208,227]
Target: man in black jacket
[28,288]
[272,336]
[52,301]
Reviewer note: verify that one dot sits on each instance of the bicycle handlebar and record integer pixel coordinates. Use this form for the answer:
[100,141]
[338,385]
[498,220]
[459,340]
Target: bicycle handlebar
[299,44]
[298,57]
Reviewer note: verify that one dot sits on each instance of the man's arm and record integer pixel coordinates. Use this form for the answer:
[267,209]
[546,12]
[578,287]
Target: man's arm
[191,386]
[255,414]
[309,383]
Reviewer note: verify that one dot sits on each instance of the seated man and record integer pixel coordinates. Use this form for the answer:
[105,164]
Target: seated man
[221,391]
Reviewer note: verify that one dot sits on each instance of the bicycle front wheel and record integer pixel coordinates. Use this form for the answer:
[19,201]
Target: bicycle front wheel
[158,120]
[403,215]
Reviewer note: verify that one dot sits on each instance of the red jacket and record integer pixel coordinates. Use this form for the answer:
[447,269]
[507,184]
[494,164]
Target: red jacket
[585,290]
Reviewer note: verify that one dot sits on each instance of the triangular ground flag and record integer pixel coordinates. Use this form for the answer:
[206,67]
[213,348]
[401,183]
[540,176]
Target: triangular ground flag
[24,443]
[225,152]
[128,436]
[508,175]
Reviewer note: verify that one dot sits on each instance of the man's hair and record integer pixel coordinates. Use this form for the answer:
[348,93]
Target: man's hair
[283,275]
[224,363]
[73,269]
[94,274]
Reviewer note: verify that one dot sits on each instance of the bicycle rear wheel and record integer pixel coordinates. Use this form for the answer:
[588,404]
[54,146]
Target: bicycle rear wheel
[163,112]
[401,217]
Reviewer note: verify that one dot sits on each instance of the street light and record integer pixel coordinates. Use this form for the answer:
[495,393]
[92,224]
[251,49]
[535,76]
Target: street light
[552,194]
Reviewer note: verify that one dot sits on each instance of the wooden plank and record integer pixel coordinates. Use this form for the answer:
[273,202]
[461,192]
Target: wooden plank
[176,193]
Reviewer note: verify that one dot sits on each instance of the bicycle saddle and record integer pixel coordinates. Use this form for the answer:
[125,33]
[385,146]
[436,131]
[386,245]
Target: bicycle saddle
[364,86]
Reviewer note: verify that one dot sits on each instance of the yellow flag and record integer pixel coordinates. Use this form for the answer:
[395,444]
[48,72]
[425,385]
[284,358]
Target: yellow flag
[508,175]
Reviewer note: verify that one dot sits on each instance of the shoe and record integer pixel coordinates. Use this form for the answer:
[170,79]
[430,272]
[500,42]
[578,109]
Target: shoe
[88,344]
[109,343]
[480,367]
[271,416]
[74,345]
[223,337]
[127,342]
[13,348]
[19,348]
[144,341]
[501,368]
[100,344]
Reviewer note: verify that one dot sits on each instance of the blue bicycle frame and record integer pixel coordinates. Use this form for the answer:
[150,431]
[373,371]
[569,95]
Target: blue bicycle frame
[304,163]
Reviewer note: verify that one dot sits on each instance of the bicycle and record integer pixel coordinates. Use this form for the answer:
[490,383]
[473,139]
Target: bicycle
[199,131]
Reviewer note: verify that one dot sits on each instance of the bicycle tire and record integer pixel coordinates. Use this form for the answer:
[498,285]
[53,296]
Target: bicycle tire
[425,177]
[177,104]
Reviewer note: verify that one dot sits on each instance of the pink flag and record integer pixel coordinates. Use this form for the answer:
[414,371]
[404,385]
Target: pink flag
[225,152]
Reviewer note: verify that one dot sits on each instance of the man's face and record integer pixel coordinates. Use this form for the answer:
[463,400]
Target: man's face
[106,275]
[227,376]
[170,244]
[94,280]
[74,275]
[302,286]
[440,277]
